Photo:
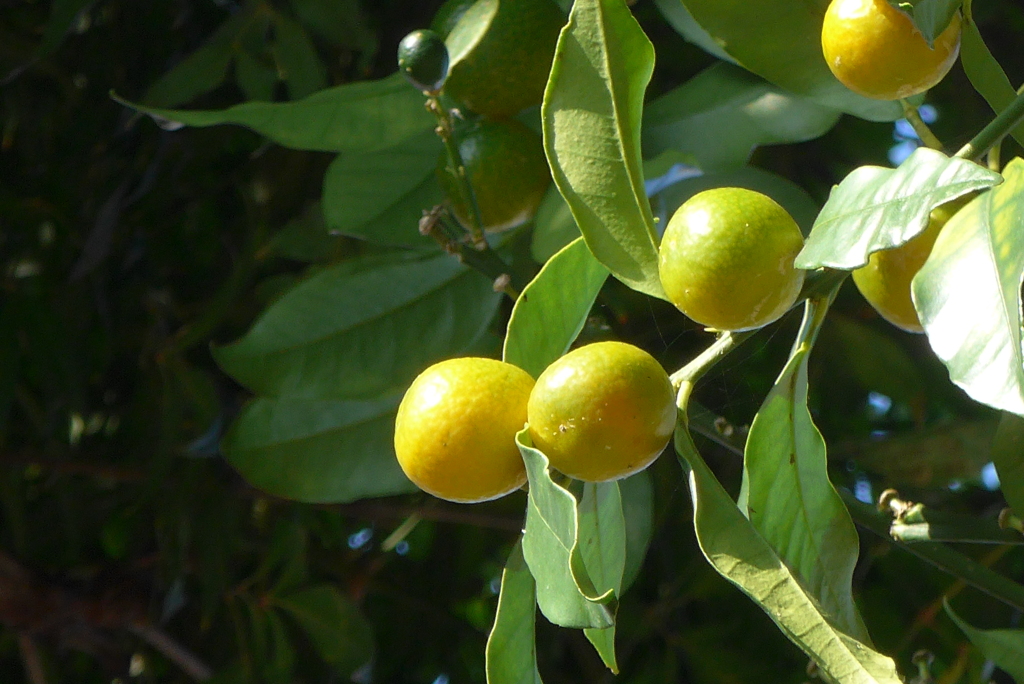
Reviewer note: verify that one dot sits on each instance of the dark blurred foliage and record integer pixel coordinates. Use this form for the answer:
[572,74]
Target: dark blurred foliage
[129,549]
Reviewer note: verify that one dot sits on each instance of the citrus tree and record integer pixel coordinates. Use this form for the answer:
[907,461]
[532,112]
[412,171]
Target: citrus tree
[586,262]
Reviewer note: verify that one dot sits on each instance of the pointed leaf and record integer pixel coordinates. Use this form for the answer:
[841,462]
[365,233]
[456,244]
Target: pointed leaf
[548,316]
[299,65]
[362,328]
[317,451]
[592,110]
[1008,457]
[365,116]
[741,555]
[874,208]
[723,113]
[780,40]
[566,593]
[334,625]
[602,542]
[637,494]
[1004,647]
[789,498]
[985,74]
[967,295]
[511,646]
[933,16]
[357,203]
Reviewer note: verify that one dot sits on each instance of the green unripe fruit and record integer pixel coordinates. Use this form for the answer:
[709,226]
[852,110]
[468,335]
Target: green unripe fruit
[423,60]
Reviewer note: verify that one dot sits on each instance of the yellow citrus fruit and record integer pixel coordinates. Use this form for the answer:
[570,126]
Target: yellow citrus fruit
[506,166]
[726,259]
[602,412]
[874,49]
[501,52]
[885,280]
[456,426]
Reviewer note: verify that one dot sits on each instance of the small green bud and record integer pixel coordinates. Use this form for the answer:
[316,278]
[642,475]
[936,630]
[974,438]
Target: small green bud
[423,58]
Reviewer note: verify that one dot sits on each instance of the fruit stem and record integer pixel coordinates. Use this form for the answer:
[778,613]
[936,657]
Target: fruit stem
[994,162]
[706,360]
[446,131]
[999,128]
[920,127]
[437,224]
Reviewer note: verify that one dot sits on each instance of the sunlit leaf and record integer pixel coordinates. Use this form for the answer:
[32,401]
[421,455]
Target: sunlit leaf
[875,208]
[967,295]
[1004,647]
[592,110]
[788,495]
[362,328]
[985,74]
[365,116]
[548,315]
[723,113]
[602,542]
[511,647]
[566,593]
[741,555]
[317,451]
[780,40]
[357,203]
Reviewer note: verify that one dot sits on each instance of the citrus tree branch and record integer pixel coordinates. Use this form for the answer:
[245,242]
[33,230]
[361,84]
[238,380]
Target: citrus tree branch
[999,128]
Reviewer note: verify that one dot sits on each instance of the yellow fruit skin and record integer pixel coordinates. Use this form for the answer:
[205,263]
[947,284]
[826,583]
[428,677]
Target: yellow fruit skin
[726,259]
[875,50]
[507,168]
[885,280]
[456,426]
[602,412]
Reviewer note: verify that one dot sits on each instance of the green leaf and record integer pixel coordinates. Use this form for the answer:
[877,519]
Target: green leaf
[875,208]
[602,542]
[334,624]
[256,78]
[637,493]
[566,593]
[788,496]
[780,41]
[296,57]
[380,196]
[317,451]
[306,238]
[548,316]
[511,646]
[282,652]
[985,74]
[1004,647]
[553,227]
[740,554]
[339,21]
[967,294]
[592,110]
[362,328]
[723,113]
[682,21]
[1008,457]
[933,16]
[346,118]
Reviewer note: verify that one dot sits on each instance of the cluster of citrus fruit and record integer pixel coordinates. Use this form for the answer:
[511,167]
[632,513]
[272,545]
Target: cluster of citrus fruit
[492,64]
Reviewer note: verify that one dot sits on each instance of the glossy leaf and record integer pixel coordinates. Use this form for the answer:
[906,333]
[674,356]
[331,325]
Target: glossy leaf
[548,315]
[362,328]
[682,21]
[875,208]
[779,40]
[741,555]
[357,203]
[552,540]
[967,295]
[317,451]
[592,110]
[1008,457]
[365,116]
[787,494]
[933,16]
[334,624]
[723,113]
[511,645]
[985,74]
[1004,647]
